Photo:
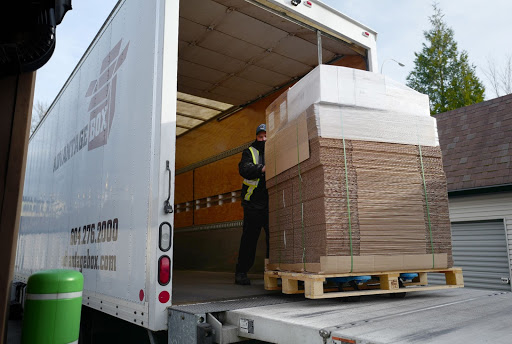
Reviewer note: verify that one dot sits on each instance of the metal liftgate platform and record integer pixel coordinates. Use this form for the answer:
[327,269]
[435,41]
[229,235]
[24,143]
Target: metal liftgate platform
[441,316]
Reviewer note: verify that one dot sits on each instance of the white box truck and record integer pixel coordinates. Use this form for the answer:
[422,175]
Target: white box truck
[131,176]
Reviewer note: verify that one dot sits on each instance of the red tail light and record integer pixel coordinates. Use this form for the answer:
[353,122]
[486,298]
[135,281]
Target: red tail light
[164,270]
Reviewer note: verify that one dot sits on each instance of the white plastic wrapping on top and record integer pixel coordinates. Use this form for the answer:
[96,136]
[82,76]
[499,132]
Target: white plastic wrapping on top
[360,105]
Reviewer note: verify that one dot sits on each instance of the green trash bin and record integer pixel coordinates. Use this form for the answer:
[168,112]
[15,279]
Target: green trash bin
[53,305]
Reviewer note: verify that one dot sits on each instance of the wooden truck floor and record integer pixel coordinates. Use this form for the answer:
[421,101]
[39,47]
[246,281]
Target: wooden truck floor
[201,286]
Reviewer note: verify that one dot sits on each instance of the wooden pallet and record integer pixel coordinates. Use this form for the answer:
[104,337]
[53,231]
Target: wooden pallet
[315,286]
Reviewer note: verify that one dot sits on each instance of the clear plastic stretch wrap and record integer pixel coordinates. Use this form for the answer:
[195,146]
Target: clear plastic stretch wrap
[356,105]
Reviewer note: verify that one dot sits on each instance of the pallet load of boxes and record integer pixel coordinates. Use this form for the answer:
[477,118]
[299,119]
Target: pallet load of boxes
[355,177]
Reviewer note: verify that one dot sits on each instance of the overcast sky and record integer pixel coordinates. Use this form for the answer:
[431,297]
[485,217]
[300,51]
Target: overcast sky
[482,28]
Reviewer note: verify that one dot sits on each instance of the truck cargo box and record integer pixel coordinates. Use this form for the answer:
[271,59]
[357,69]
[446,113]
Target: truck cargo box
[131,175]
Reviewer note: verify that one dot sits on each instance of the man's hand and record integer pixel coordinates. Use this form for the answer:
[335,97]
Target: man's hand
[263,169]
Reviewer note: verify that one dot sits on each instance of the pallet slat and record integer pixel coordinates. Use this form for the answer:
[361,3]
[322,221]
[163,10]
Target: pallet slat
[380,291]
[381,283]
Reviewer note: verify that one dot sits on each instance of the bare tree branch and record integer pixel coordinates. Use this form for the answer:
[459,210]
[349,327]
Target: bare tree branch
[500,78]
[38,112]
[506,76]
[491,74]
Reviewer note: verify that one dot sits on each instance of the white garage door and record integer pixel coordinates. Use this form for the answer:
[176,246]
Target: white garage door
[480,249]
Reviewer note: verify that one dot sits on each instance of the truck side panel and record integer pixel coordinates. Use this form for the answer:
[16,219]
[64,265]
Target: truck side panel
[160,243]
[87,197]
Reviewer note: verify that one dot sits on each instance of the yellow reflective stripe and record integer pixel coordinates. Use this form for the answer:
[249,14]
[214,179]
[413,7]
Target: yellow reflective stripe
[255,155]
[252,184]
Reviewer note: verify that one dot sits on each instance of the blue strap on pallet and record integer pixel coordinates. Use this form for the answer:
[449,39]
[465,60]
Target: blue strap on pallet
[358,279]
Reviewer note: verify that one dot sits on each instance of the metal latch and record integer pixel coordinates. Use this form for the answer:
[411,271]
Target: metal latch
[505,280]
[167,205]
[325,334]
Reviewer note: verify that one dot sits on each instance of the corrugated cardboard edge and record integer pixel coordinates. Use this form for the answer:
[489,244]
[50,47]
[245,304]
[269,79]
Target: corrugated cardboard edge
[310,267]
[364,264]
[281,151]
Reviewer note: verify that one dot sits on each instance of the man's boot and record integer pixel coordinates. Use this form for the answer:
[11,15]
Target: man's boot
[242,279]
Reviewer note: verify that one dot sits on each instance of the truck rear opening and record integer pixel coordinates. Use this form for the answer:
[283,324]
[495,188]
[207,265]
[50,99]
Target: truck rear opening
[234,59]
[132,174]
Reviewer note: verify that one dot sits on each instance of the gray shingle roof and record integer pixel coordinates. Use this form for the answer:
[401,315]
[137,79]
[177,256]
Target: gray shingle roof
[476,142]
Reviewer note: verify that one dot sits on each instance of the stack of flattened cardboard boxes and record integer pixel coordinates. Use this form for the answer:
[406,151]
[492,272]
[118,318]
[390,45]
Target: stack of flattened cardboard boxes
[355,177]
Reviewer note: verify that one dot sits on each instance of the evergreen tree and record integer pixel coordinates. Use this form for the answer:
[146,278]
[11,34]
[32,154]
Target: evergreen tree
[441,72]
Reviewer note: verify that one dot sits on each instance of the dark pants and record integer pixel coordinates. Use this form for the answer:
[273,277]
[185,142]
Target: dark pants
[253,221]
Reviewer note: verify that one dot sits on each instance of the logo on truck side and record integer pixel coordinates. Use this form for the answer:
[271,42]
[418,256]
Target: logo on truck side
[101,108]
[102,92]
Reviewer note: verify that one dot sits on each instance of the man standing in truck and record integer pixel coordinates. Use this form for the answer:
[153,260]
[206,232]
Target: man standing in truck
[254,202]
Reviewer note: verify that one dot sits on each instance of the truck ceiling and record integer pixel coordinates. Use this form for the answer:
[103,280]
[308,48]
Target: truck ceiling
[234,52]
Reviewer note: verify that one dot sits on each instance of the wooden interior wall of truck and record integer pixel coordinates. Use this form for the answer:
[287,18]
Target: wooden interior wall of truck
[208,211]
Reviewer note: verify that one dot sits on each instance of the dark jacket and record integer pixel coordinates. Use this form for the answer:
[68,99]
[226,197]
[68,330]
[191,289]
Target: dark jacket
[249,170]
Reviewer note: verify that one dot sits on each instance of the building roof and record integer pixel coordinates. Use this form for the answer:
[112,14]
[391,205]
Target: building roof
[476,142]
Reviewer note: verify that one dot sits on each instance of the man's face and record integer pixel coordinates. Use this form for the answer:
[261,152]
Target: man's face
[262,136]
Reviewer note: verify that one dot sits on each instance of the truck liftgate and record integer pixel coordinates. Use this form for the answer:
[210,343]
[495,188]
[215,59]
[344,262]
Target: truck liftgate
[442,316]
